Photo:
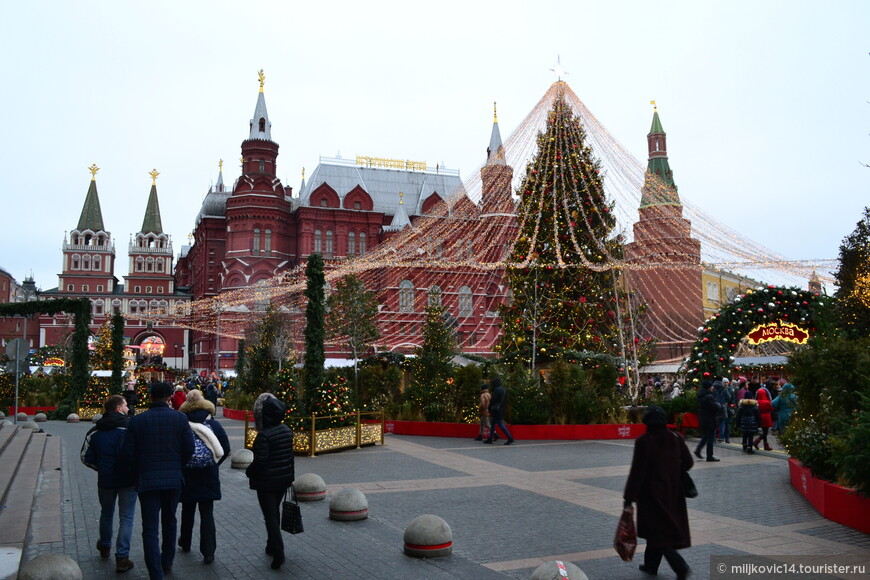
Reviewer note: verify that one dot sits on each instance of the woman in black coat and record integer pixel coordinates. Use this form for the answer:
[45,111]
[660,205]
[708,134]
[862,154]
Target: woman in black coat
[202,485]
[272,471]
[655,484]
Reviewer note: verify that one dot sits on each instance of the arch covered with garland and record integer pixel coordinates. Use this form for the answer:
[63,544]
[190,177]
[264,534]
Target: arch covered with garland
[771,313]
[80,308]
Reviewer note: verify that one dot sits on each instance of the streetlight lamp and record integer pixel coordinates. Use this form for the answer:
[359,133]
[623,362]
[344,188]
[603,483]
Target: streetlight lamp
[175,353]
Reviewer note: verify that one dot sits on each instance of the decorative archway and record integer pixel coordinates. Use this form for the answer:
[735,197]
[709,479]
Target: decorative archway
[771,313]
[79,360]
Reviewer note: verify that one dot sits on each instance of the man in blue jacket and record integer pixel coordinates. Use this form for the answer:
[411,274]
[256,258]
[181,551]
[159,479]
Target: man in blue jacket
[101,452]
[159,442]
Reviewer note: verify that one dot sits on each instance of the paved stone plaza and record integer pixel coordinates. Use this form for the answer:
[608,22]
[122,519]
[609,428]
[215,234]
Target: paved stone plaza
[510,509]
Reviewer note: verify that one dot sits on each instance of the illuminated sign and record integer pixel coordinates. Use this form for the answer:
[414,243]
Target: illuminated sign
[778,331]
[54,362]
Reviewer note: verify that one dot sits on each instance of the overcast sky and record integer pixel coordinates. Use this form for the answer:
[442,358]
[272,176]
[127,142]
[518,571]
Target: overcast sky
[765,103]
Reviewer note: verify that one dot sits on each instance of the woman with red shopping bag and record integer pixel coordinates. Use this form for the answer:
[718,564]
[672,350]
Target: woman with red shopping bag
[655,483]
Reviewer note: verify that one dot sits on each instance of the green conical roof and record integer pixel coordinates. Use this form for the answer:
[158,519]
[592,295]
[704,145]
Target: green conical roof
[92,216]
[152,224]
[656,124]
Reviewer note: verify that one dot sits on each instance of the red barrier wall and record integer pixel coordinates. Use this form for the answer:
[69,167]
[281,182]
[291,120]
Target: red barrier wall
[834,502]
[528,432]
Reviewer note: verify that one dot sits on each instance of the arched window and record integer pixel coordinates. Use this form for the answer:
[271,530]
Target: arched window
[362,243]
[97,263]
[434,295]
[465,302]
[262,125]
[86,262]
[406,296]
[256,240]
[318,241]
[76,262]
[159,265]
[351,244]
[328,252]
[268,243]
[149,264]
[140,264]
[98,307]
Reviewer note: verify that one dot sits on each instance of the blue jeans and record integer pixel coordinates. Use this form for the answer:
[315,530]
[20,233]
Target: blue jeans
[126,497]
[725,429]
[158,509]
[498,421]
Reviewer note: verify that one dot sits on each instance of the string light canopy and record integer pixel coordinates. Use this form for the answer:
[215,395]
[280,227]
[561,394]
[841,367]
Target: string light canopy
[467,242]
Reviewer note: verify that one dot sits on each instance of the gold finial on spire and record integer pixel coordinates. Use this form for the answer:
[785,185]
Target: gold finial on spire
[221,166]
[494,113]
[401,198]
[153,173]
[93,169]
[242,162]
[262,78]
[303,174]
[655,108]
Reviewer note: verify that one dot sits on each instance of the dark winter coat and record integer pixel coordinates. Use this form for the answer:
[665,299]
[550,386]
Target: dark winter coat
[748,416]
[655,484]
[709,411]
[103,448]
[204,484]
[498,402]
[272,468]
[132,398]
[764,407]
[211,394]
[160,442]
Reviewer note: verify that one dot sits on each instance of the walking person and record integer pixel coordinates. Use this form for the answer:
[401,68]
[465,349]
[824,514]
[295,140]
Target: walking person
[101,452]
[202,484]
[483,411]
[211,394]
[762,395]
[272,470]
[132,398]
[497,408]
[708,416]
[784,405]
[749,419]
[655,484]
[159,442]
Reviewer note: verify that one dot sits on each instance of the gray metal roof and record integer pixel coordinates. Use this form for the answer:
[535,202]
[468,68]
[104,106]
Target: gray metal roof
[260,113]
[215,203]
[382,184]
[760,360]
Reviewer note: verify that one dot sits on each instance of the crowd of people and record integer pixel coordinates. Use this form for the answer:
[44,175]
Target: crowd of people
[171,454]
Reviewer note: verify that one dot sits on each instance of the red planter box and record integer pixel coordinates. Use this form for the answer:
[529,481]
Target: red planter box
[528,432]
[31,410]
[238,415]
[834,502]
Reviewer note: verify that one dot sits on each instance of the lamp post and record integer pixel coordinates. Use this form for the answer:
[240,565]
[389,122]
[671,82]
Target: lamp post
[175,354]
[29,294]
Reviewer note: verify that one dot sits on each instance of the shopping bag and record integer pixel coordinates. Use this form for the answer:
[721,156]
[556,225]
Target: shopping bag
[689,489]
[625,541]
[291,515]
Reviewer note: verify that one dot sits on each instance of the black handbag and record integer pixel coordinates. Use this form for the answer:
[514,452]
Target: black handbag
[689,489]
[291,515]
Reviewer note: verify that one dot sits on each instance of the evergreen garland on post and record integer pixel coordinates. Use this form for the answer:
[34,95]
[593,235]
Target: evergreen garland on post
[117,353]
[241,363]
[79,362]
[314,319]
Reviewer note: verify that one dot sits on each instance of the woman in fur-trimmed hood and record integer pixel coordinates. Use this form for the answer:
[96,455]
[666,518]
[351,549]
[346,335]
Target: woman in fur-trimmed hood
[202,486]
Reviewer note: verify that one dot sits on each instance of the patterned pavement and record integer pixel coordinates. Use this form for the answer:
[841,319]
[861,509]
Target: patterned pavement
[510,510]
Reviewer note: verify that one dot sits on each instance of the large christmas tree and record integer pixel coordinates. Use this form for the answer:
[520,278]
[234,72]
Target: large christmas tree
[559,271]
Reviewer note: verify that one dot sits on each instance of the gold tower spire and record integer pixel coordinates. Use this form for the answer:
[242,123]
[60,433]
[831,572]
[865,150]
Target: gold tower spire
[303,174]
[262,78]
[494,113]
[93,169]
[221,166]
[153,173]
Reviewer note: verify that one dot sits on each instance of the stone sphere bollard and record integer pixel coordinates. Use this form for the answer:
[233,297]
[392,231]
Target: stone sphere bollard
[29,425]
[97,417]
[309,487]
[72,418]
[40,418]
[241,458]
[348,505]
[2,415]
[428,536]
[6,422]
[558,570]
[50,567]
[22,416]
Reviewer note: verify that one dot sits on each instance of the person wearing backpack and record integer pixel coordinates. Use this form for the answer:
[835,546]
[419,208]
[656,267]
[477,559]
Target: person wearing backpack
[202,485]
[100,451]
[749,420]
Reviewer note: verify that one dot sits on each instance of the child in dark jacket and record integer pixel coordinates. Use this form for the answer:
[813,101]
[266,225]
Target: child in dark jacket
[749,419]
